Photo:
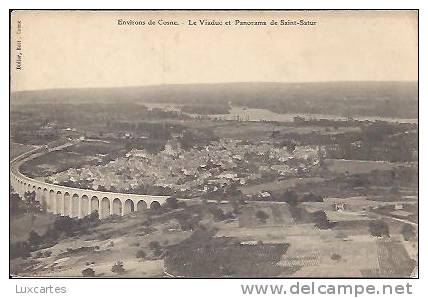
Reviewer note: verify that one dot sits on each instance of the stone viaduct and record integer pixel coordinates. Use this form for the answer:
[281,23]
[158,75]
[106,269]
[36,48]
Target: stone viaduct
[76,202]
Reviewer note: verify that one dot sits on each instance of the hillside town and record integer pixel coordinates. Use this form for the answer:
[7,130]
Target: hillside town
[194,172]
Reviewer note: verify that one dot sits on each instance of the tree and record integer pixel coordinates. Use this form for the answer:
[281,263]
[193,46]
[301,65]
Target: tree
[157,252]
[20,250]
[153,245]
[290,197]
[141,254]
[408,232]
[312,198]
[378,228]
[118,267]
[217,213]
[321,220]
[16,204]
[147,223]
[51,235]
[34,239]
[172,203]
[31,202]
[64,224]
[156,248]
[232,193]
[262,216]
[31,205]
[88,272]
[102,188]
[93,217]
[43,204]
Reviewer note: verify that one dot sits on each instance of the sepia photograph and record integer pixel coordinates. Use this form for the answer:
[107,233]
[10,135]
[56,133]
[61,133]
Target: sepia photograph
[214,144]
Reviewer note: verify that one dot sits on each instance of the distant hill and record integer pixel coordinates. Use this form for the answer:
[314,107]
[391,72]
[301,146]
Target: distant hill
[386,99]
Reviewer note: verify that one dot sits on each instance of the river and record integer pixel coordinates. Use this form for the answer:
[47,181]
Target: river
[251,114]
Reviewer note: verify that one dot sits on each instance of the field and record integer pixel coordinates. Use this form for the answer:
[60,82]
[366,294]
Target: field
[75,156]
[18,149]
[278,246]
[277,185]
[341,166]
[327,253]
[223,257]
[393,259]
[278,214]
[257,130]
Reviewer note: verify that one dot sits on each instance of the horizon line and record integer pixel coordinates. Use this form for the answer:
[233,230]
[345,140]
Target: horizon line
[216,83]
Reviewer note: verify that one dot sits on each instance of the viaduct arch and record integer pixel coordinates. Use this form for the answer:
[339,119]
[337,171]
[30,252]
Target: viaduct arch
[76,202]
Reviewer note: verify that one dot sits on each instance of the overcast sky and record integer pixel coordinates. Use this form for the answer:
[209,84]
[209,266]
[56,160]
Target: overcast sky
[89,49]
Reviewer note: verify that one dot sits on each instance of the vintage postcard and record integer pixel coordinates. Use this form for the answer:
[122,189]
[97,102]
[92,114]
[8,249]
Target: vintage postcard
[214,143]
